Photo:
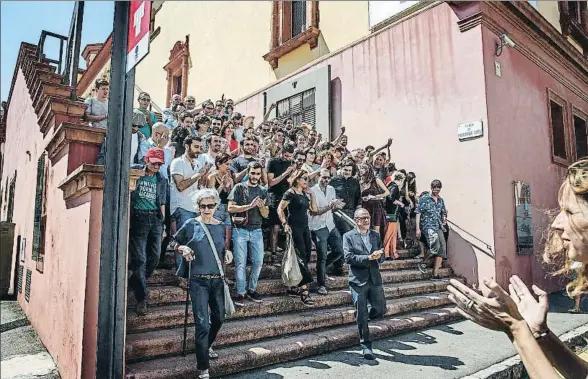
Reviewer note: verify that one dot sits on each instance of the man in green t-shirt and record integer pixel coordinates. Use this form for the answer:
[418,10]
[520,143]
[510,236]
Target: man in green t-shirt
[146,225]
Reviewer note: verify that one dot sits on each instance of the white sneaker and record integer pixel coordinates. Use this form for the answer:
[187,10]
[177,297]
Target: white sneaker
[203,374]
[212,354]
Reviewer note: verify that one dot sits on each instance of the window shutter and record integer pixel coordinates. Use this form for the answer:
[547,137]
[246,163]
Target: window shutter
[298,17]
[300,107]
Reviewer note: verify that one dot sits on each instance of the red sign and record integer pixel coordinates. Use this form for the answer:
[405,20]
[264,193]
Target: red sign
[138,37]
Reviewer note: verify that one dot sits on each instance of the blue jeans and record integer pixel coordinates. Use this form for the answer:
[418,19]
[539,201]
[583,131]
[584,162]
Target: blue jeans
[181,216]
[244,239]
[323,239]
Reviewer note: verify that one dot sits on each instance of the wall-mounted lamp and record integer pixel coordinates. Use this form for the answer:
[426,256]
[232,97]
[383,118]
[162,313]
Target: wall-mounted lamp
[29,154]
[503,41]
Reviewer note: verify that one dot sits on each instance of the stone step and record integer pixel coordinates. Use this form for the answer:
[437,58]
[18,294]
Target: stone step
[142,346]
[42,89]
[169,259]
[163,295]
[173,315]
[254,355]
[274,271]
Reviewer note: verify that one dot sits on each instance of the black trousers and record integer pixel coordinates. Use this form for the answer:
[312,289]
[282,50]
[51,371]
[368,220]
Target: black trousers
[303,245]
[362,296]
[206,293]
[323,239]
[145,232]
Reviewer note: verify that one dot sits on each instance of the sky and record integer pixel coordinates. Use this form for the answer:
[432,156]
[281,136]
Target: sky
[23,21]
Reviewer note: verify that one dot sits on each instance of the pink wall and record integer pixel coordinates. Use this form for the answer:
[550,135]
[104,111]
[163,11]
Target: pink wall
[520,146]
[415,82]
[57,300]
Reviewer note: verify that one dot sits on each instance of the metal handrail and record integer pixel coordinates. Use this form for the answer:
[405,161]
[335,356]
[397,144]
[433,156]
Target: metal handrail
[157,108]
[488,246]
[40,53]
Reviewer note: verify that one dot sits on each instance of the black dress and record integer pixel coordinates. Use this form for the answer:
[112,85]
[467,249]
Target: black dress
[298,220]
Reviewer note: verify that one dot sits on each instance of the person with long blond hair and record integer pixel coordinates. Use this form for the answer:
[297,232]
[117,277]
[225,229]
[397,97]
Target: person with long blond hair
[516,311]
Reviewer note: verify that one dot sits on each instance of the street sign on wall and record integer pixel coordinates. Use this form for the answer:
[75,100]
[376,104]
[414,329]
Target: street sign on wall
[138,45]
[470,130]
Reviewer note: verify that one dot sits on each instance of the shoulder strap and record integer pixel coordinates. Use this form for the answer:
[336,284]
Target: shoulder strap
[212,246]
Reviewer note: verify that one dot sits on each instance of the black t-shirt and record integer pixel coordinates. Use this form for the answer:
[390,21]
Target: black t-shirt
[297,209]
[242,194]
[278,166]
[391,208]
[240,163]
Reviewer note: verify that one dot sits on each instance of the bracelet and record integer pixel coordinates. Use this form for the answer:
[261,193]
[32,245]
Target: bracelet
[177,247]
[542,335]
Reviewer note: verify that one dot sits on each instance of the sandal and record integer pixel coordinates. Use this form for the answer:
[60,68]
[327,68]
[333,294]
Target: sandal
[305,298]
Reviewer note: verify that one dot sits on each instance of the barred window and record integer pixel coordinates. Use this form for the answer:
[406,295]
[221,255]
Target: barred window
[298,17]
[40,214]
[300,107]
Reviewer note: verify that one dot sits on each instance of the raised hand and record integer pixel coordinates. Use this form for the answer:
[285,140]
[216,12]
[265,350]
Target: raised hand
[534,312]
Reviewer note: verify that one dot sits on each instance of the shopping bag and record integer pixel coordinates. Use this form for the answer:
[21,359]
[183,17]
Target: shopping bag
[291,275]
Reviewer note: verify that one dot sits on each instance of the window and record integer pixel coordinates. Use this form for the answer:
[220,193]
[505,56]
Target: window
[40,216]
[177,70]
[581,134]
[298,18]
[11,192]
[558,126]
[300,107]
[292,26]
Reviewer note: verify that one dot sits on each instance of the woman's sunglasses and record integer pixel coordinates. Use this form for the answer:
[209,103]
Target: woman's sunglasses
[207,206]
[157,164]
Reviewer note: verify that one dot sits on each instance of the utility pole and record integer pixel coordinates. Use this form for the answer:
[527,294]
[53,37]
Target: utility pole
[113,253]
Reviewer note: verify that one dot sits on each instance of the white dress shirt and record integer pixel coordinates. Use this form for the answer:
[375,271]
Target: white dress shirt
[322,200]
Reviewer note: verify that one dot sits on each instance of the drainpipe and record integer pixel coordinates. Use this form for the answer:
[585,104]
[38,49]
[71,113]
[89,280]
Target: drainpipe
[113,252]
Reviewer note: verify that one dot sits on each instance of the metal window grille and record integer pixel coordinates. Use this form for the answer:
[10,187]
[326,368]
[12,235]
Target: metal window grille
[28,285]
[38,216]
[298,17]
[20,272]
[300,107]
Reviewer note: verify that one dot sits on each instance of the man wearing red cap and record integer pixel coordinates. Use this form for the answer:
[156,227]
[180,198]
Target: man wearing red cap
[146,225]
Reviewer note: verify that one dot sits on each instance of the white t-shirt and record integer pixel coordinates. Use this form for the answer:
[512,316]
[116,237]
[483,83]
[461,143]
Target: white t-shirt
[183,199]
[322,200]
[97,108]
[134,146]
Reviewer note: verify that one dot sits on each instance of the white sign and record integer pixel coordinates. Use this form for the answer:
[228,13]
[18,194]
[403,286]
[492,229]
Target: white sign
[470,130]
[138,34]
[382,10]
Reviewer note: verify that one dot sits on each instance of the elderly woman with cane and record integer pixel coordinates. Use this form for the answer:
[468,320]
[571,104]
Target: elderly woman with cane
[517,313]
[201,241]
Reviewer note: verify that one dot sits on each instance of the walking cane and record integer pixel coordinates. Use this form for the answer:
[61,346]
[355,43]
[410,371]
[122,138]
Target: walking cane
[185,343]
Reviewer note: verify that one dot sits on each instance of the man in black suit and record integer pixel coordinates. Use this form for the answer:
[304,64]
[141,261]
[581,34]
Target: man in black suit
[362,249]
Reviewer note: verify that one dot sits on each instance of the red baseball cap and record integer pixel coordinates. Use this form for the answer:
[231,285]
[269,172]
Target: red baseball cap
[155,155]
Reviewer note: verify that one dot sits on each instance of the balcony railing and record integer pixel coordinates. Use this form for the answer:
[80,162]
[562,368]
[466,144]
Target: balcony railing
[67,66]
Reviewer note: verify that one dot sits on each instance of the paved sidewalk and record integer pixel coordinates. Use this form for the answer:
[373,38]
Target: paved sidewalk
[22,353]
[448,351]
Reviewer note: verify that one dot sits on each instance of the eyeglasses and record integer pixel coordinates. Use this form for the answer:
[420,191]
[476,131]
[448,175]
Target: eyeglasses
[362,219]
[207,206]
[190,101]
[209,108]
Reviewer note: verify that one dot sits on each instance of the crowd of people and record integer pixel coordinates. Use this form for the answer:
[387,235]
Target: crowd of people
[211,172]
[220,189]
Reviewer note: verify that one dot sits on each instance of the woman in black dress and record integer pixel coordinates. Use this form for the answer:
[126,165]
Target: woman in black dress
[373,193]
[298,200]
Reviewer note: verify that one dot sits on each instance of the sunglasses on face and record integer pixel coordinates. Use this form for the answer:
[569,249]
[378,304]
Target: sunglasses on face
[304,177]
[207,206]
[157,164]
[325,177]
[190,101]
[209,108]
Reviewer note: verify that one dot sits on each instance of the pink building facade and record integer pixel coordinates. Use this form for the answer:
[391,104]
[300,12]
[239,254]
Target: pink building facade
[417,80]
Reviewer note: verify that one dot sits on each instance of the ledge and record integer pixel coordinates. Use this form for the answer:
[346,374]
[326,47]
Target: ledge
[56,110]
[309,36]
[80,142]
[88,178]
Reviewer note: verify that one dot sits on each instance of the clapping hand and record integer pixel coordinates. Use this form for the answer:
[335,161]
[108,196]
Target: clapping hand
[375,255]
[534,312]
[497,313]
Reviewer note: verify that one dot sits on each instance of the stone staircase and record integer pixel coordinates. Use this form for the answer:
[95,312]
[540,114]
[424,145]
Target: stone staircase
[280,328]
